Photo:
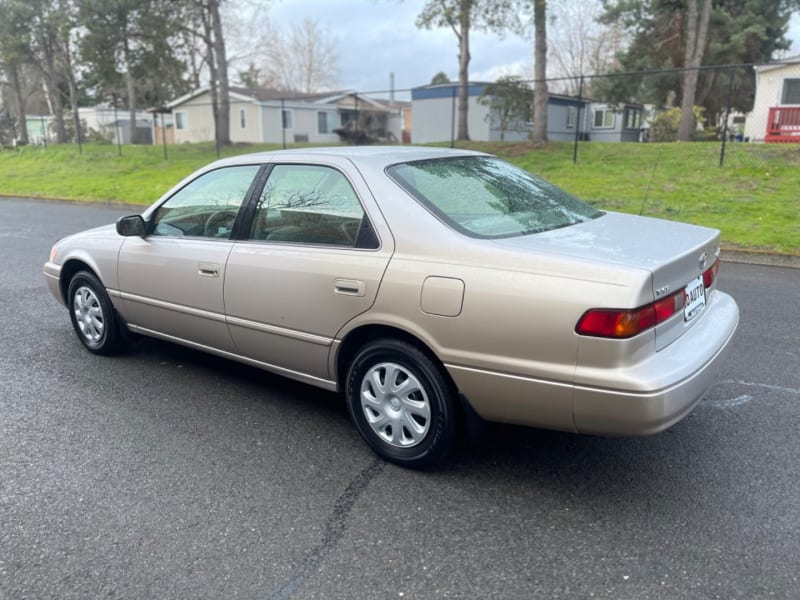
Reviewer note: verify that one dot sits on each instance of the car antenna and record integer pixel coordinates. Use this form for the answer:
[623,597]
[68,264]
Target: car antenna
[650,183]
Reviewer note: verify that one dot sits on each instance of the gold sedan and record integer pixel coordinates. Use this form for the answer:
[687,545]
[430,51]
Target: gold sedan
[432,287]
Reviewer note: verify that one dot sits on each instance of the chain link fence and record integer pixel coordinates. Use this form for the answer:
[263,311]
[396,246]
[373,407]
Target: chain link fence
[641,108]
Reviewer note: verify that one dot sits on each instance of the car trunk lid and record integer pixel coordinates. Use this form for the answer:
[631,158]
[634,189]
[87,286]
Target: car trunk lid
[676,255]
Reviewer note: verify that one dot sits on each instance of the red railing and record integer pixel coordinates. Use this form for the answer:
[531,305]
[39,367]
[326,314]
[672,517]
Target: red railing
[783,124]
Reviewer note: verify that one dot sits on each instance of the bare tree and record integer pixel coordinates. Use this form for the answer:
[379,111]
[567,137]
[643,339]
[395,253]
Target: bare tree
[305,59]
[696,32]
[579,43]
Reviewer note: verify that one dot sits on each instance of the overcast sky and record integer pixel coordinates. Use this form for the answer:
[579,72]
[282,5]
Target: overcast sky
[377,37]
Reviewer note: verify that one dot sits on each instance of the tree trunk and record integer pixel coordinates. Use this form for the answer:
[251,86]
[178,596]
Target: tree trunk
[539,135]
[212,76]
[224,112]
[463,69]
[696,33]
[73,90]
[22,123]
[131,92]
[51,86]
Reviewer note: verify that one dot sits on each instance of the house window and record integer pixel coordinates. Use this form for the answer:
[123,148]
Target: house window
[242,118]
[325,120]
[287,119]
[633,118]
[570,117]
[791,91]
[603,118]
[180,120]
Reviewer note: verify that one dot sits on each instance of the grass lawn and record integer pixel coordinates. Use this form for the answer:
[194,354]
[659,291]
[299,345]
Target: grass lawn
[754,198]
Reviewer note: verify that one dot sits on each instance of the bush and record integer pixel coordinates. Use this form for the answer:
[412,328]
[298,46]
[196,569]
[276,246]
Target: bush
[664,126]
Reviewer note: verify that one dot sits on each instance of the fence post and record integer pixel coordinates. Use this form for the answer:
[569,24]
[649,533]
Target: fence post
[453,120]
[727,116]
[283,122]
[116,126]
[578,123]
[163,135]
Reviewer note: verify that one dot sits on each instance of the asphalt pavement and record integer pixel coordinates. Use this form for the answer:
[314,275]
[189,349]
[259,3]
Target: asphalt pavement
[166,473]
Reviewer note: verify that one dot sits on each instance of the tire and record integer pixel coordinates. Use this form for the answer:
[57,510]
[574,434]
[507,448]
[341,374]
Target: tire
[402,403]
[92,314]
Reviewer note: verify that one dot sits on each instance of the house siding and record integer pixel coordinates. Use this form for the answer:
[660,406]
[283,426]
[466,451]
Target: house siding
[436,120]
[251,132]
[198,123]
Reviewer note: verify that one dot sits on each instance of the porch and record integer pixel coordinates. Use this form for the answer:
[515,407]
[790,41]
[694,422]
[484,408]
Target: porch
[783,125]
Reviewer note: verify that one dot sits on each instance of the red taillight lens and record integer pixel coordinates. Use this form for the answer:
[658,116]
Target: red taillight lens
[616,323]
[621,324]
[710,275]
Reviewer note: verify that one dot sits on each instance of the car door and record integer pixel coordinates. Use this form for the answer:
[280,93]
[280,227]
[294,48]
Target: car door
[171,280]
[313,260]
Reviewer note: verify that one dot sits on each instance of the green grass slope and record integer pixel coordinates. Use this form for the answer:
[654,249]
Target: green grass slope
[754,198]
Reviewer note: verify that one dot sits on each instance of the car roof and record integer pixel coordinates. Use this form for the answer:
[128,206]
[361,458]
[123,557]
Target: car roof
[374,156]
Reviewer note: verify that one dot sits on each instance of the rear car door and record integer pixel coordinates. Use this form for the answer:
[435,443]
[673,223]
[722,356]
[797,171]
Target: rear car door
[171,280]
[313,259]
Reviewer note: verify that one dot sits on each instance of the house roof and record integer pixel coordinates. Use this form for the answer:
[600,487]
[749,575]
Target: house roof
[790,60]
[263,94]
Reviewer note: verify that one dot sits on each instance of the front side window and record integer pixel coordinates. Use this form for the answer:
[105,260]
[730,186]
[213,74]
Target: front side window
[286,119]
[242,118]
[310,204]
[791,91]
[180,120]
[207,206]
[486,197]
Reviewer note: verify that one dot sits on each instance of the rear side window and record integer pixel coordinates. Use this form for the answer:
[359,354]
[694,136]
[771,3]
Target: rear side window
[308,204]
[489,198]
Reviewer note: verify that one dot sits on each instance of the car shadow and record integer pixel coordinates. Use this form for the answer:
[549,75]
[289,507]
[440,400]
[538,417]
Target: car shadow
[571,463]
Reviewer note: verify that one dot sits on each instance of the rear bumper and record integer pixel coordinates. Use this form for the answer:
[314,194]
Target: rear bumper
[641,399]
[668,385]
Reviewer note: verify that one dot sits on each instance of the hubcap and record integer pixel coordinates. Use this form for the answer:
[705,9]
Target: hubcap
[395,405]
[88,314]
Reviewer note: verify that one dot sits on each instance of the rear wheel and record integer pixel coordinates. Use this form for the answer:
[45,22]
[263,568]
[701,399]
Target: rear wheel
[92,314]
[402,403]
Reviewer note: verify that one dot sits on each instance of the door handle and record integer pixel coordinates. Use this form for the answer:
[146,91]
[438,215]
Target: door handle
[350,287]
[208,269]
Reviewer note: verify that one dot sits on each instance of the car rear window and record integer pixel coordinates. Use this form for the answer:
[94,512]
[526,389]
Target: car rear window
[489,198]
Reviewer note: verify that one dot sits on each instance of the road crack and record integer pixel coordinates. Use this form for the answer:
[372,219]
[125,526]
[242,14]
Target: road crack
[334,529]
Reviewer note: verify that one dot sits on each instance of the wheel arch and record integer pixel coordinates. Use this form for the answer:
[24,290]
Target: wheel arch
[68,270]
[359,336]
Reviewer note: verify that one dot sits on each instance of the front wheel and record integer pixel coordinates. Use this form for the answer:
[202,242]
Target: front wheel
[402,403]
[92,314]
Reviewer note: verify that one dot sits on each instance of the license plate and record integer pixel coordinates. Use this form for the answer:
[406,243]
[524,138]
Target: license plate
[695,298]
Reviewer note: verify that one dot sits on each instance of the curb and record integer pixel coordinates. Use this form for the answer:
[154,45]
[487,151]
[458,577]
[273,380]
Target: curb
[757,257]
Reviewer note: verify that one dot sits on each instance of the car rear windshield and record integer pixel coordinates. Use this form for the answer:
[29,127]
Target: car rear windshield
[485,197]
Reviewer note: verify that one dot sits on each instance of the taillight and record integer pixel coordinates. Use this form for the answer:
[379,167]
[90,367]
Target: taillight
[710,275]
[621,324]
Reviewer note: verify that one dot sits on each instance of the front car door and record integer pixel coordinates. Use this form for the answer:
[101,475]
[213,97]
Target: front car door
[313,259]
[171,280]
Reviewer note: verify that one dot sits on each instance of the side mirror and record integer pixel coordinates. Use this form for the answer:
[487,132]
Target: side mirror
[132,225]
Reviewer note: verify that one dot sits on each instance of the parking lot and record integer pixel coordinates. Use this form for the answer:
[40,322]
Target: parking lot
[166,473]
